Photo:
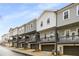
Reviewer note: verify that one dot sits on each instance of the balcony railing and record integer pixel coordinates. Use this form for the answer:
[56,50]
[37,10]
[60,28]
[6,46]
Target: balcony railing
[17,39]
[48,39]
[22,40]
[70,39]
[32,40]
[62,39]
[14,40]
[27,40]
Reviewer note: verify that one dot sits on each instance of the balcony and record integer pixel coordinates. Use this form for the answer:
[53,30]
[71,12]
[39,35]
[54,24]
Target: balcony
[32,40]
[14,40]
[70,39]
[27,40]
[22,40]
[48,39]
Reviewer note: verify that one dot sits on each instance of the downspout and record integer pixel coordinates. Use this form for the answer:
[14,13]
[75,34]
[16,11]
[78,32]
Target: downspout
[56,36]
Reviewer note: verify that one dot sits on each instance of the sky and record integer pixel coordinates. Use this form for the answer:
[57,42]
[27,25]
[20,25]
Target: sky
[16,14]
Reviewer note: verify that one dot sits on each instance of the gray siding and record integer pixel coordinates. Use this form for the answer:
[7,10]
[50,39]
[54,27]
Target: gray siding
[73,16]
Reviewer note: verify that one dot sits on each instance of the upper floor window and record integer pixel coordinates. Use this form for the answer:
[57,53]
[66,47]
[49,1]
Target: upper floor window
[31,26]
[73,35]
[27,27]
[45,36]
[48,21]
[66,14]
[41,24]
[77,10]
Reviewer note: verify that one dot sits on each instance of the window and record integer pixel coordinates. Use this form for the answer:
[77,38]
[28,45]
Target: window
[31,25]
[48,21]
[67,34]
[51,34]
[73,35]
[45,36]
[78,32]
[41,24]
[27,27]
[77,10]
[66,14]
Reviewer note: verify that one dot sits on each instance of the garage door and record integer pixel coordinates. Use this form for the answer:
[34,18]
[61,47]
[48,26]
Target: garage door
[33,46]
[47,47]
[71,50]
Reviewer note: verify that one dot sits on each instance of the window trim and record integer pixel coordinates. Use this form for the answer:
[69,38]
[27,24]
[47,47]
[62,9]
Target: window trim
[31,25]
[77,10]
[76,31]
[48,20]
[41,24]
[68,14]
[66,31]
[45,36]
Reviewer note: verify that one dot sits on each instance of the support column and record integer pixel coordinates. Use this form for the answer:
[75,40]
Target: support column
[40,47]
[60,49]
[29,45]
[12,44]
[21,45]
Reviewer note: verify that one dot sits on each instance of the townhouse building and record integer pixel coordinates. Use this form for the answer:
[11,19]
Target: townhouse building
[21,31]
[66,20]
[24,35]
[30,31]
[5,39]
[46,24]
[67,24]
[10,37]
[68,28]
[14,36]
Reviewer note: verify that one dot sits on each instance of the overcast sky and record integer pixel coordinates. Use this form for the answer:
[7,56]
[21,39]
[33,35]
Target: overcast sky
[12,15]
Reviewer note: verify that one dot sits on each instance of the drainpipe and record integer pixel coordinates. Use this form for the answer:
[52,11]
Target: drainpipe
[56,37]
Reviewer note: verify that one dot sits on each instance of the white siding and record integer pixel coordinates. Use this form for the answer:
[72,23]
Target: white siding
[48,33]
[44,17]
[21,30]
[15,31]
[29,28]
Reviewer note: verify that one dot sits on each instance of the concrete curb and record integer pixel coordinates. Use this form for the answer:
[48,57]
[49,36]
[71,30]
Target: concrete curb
[29,53]
[21,53]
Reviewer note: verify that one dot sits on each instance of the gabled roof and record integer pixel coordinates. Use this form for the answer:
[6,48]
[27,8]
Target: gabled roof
[29,22]
[65,6]
[47,11]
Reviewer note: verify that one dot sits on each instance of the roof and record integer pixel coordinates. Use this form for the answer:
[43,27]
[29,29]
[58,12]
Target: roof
[53,10]
[29,22]
[65,6]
